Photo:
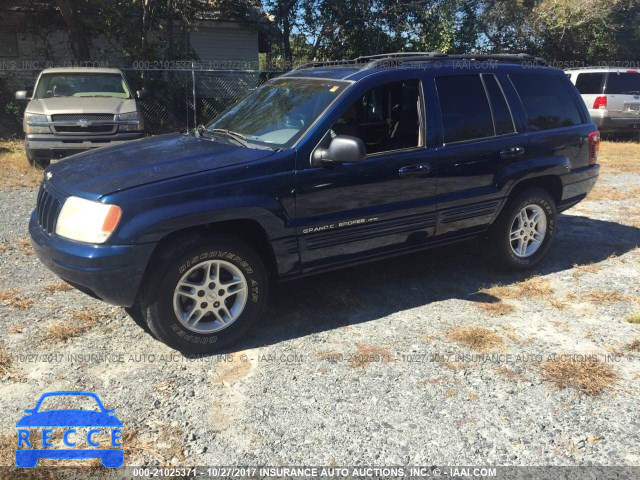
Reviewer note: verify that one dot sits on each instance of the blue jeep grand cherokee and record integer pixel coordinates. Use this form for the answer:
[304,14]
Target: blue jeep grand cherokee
[326,166]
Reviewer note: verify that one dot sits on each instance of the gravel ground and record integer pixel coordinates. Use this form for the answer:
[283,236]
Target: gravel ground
[362,366]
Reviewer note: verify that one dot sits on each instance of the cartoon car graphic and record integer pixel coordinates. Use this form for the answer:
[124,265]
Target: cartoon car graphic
[69,419]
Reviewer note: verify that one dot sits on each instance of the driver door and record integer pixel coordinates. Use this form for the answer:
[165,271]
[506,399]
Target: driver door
[384,203]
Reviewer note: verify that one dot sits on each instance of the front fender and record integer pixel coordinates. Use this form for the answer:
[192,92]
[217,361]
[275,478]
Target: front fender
[514,173]
[159,221]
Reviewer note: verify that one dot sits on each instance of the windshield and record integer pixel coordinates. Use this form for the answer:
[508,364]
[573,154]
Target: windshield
[82,85]
[279,113]
[623,83]
[66,402]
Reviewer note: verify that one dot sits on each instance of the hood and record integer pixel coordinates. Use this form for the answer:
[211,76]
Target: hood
[106,170]
[56,105]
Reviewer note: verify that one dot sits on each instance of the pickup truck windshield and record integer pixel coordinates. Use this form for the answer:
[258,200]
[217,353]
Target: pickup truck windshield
[278,113]
[82,85]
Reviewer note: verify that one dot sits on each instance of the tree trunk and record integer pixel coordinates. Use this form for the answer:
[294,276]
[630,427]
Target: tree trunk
[73,22]
[286,31]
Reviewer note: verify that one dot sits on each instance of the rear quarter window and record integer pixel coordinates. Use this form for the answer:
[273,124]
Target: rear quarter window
[590,83]
[547,100]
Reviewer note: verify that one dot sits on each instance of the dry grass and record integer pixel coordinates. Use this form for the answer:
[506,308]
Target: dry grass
[476,337]
[497,309]
[600,296]
[15,329]
[559,303]
[25,246]
[57,287]
[589,376]
[7,450]
[367,354]
[5,362]
[619,157]
[533,287]
[633,318]
[16,171]
[511,374]
[79,322]
[13,298]
[634,345]
[234,369]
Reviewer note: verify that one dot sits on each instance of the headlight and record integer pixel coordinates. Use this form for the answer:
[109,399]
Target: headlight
[87,221]
[133,122]
[31,121]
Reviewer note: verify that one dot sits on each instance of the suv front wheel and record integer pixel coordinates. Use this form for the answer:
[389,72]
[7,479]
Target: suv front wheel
[206,295]
[525,229]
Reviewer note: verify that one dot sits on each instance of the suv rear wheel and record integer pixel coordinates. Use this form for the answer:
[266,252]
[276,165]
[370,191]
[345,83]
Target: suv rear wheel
[525,229]
[207,295]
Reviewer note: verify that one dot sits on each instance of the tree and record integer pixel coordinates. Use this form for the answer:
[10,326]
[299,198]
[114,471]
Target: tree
[75,28]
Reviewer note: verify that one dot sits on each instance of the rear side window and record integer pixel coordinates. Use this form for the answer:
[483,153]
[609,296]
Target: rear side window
[590,83]
[465,109]
[623,83]
[501,113]
[547,100]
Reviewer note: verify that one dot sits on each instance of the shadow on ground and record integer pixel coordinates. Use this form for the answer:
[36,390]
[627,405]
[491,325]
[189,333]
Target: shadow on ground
[368,292]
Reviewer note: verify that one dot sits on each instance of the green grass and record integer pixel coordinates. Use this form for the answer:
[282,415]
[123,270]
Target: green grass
[633,318]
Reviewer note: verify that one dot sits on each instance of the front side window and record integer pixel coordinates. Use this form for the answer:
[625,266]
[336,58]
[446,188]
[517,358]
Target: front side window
[466,114]
[278,113]
[385,118]
[82,85]
[590,83]
[547,100]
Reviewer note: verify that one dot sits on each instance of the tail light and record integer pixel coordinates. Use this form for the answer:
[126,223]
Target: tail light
[600,102]
[594,147]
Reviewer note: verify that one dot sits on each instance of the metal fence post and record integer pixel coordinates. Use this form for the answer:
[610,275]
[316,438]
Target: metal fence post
[193,80]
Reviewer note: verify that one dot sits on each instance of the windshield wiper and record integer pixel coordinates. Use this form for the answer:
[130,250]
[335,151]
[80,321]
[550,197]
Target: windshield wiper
[238,137]
[201,131]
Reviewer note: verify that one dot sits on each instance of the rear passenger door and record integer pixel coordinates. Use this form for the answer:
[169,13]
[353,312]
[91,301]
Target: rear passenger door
[478,138]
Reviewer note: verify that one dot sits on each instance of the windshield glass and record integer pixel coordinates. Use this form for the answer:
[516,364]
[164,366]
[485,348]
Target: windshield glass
[82,85]
[279,113]
[623,83]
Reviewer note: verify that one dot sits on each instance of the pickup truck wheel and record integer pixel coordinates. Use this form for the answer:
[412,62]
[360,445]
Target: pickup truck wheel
[525,229]
[207,295]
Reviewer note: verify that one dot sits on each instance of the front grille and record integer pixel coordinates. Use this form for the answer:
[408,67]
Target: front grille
[88,129]
[74,117]
[47,210]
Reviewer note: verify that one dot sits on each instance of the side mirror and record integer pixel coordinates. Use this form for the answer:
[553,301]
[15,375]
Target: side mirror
[142,94]
[22,95]
[342,149]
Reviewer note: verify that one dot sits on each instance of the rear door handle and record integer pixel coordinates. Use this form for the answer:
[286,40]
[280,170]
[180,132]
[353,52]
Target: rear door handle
[511,152]
[415,170]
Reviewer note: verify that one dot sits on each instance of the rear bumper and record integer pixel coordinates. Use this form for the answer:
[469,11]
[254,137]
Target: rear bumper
[617,124]
[112,273]
[55,146]
[577,184]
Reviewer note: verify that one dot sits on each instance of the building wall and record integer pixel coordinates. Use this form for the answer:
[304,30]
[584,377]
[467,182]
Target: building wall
[218,42]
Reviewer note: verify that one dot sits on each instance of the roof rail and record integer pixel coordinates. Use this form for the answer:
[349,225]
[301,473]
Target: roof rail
[371,61]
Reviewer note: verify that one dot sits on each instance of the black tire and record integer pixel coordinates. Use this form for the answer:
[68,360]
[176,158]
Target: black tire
[158,292]
[36,161]
[499,237]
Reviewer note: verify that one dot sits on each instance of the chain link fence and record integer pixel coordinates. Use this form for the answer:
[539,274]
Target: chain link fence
[178,100]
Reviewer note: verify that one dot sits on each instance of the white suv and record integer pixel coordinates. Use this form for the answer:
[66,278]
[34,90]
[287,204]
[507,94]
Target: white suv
[612,96]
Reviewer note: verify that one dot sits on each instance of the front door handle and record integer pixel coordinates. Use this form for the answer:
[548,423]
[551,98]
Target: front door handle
[511,152]
[415,170]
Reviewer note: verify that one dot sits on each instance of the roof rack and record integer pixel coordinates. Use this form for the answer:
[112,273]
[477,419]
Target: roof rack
[397,59]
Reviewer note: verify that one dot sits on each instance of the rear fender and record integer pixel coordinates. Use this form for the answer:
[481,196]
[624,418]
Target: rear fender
[511,175]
